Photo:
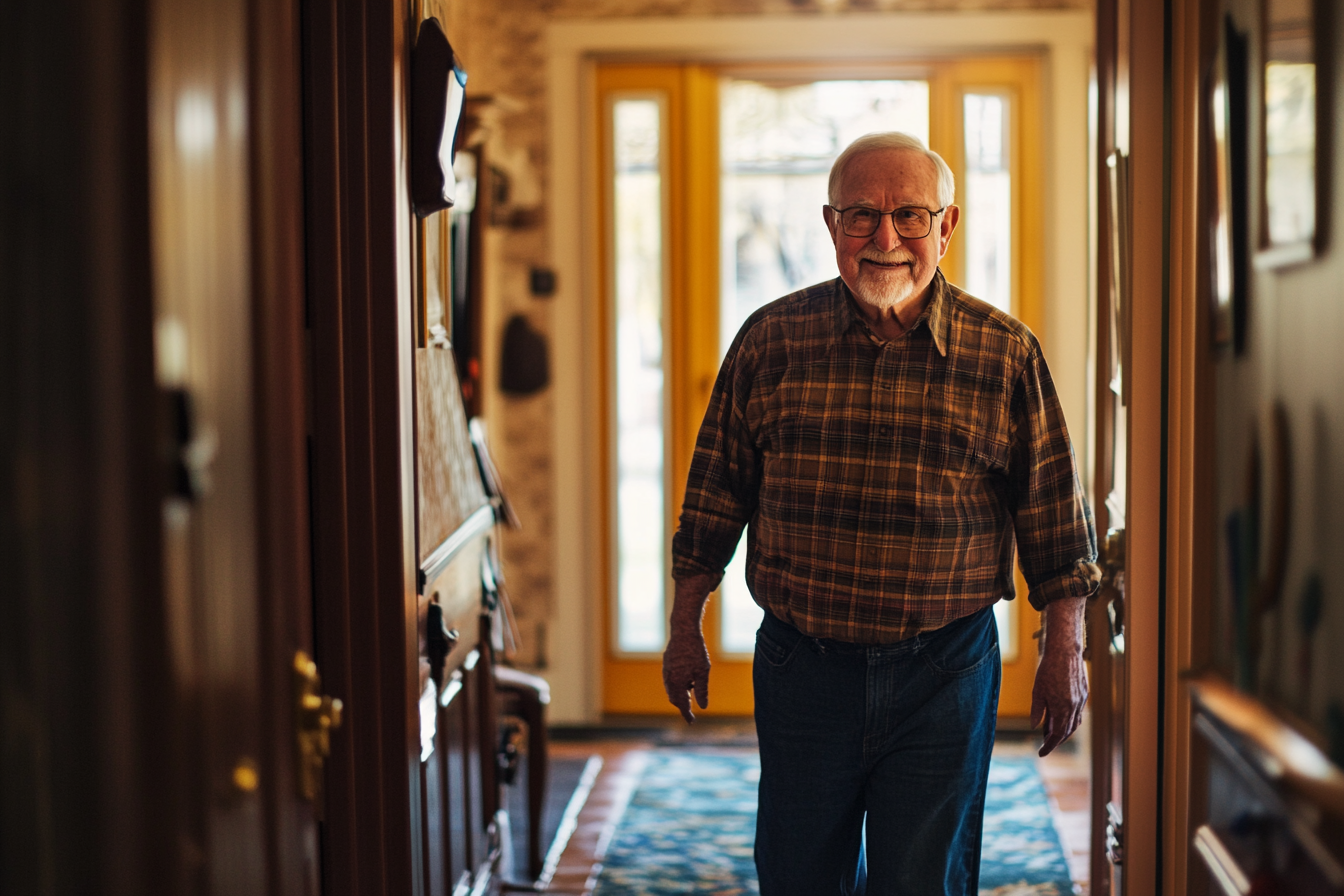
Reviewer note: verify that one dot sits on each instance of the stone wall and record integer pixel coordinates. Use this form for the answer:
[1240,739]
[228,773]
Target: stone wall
[502,43]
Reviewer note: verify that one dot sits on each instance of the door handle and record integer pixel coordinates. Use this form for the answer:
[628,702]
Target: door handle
[1115,834]
[315,715]
[1112,588]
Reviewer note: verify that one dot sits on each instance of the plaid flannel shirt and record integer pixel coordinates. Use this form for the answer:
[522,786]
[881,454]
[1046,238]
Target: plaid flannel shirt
[886,484]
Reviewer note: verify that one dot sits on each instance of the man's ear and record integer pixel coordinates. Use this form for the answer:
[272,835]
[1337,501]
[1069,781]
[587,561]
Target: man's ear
[951,215]
[832,220]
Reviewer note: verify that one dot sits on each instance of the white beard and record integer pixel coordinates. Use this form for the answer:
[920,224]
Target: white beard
[876,288]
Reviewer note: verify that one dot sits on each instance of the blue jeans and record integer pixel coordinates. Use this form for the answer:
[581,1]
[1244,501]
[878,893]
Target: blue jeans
[874,760]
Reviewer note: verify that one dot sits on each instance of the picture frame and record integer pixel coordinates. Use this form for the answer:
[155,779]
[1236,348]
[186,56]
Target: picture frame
[1225,102]
[1293,126]
[433,318]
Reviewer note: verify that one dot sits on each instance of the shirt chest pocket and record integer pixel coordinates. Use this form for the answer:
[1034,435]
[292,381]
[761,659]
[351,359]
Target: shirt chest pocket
[965,434]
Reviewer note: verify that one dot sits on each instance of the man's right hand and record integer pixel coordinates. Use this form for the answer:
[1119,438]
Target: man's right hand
[686,660]
[686,670]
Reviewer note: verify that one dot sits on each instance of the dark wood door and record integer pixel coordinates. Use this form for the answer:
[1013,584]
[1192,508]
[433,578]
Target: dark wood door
[156,572]
[228,304]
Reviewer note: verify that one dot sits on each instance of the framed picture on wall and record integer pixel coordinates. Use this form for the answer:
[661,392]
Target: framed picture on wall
[1225,97]
[435,262]
[1291,157]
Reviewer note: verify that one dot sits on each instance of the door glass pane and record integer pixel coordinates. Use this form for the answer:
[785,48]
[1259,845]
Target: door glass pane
[778,143]
[637,240]
[1005,618]
[988,222]
[986,199]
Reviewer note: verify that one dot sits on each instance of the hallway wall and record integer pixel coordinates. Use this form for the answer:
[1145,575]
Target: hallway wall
[503,46]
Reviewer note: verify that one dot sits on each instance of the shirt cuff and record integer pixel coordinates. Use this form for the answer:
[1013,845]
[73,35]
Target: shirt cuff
[1080,581]
[686,568]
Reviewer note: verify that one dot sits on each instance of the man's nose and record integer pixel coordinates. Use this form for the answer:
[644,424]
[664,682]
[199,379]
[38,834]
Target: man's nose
[886,238]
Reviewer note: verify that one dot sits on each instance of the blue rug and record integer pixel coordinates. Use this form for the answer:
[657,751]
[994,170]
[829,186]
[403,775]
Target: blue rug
[691,824]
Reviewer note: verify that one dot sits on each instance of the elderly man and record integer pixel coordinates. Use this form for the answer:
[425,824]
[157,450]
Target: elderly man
[892,441]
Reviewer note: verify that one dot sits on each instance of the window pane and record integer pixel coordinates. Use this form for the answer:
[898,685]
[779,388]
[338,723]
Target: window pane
[778,143]
[637,238]
[986,200]
[778,146]
[1290,150]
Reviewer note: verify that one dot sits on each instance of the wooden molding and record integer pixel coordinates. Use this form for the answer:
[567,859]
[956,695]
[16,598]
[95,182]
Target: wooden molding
[1278,751]
[477,524]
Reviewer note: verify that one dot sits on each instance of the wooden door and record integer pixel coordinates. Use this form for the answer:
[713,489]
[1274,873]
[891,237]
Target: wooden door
[1151,268]
[1137,674]
[91,792]
[224,139]
[1105,611]
[671,320]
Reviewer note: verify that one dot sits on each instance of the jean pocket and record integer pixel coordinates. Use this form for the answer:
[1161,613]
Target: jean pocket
[964,650]
[772,652]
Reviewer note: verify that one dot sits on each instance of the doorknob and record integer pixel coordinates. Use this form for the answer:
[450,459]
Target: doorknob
[1112,587]
[315,714]
[1115,834]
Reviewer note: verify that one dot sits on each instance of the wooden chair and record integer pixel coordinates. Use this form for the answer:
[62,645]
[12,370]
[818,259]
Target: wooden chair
[525,695]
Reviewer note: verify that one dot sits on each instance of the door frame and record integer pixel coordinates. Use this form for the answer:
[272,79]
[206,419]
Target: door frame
[360,292]
[632,680]
[1063,38]
[1150,65]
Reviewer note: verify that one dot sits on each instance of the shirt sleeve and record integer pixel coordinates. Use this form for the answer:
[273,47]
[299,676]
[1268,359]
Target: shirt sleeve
[722,487]
[1056,537]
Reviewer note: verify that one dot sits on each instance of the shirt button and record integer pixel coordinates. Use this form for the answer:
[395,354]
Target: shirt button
[884,430]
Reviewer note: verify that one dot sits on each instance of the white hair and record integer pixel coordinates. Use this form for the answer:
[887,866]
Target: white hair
[891,140]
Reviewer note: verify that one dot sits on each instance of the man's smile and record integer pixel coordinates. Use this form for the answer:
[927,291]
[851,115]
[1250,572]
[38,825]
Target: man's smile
[887,264]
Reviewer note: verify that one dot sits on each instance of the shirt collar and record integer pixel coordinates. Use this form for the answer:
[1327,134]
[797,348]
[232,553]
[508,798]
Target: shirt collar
[937,314]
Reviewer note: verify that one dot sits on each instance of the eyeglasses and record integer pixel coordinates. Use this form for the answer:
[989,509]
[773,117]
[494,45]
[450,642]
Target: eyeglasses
[912,222]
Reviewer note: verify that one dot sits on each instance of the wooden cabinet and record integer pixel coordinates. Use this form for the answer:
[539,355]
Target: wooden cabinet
[457,715]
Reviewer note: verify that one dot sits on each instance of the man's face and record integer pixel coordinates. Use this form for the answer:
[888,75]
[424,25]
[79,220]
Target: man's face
[885,268]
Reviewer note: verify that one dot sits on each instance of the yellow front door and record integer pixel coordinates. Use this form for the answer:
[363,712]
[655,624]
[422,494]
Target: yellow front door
[712,184]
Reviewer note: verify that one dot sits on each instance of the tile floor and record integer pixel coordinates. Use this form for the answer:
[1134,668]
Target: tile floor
[621,749]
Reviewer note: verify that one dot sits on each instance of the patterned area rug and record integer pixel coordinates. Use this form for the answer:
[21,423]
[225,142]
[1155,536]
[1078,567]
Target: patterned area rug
[1020,853]
[690,826]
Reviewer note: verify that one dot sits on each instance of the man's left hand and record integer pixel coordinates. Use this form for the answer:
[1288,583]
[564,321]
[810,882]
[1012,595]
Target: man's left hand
[1060,692]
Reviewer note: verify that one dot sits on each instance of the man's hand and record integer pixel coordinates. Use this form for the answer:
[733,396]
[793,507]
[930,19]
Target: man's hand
[686,659]
[1060,692]
[686,669]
